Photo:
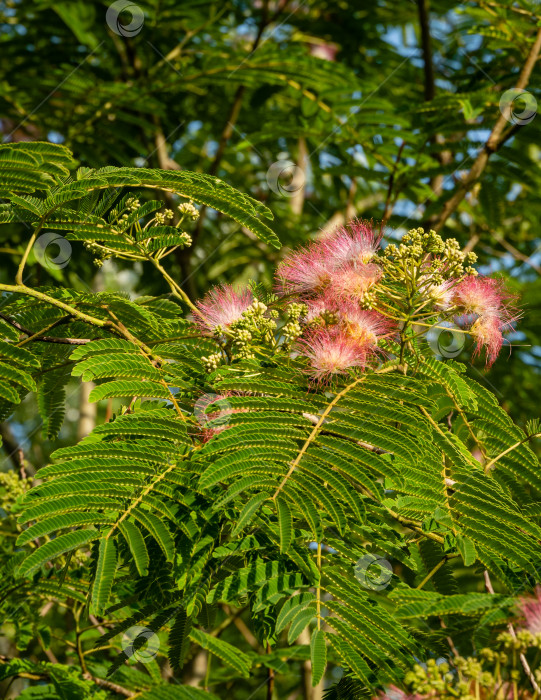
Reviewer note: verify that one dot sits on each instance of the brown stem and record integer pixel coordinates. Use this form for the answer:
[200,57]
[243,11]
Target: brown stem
[422,6]
[270,678]
[498,136]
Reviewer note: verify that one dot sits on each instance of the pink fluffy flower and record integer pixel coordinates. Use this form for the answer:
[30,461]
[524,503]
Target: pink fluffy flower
[485,296]
[530,607]
[490,308]
[487,332]
[305,271]
[343,258]
[332,351]
[352,281]
[366,327]
[442,295]
[355,243]
[222,306]
[327,305]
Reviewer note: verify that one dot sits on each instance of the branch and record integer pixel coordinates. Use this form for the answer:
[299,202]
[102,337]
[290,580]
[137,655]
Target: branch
[44,338]
[497,138]
[120,690]
[422,6]
[517,254]
[23,289]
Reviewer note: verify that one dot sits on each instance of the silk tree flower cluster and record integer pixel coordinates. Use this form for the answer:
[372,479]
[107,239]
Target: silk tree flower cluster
[345,302]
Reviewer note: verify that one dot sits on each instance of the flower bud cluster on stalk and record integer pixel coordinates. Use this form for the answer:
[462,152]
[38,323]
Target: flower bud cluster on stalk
[139,237]
[341,302]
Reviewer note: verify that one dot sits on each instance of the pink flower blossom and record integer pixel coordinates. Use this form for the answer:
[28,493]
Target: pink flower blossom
[343,258]
[305,271]
[220,412]
[332,351]
[366,327]
[530,607]
[485,296]
[442,295]
[487,303]
[487,332]
[352,281]
[222,306]
[327,303]
[355,243]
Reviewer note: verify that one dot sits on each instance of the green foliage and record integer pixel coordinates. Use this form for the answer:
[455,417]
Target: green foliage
[273,518]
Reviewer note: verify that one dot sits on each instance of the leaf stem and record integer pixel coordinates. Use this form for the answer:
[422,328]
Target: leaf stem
[23,289]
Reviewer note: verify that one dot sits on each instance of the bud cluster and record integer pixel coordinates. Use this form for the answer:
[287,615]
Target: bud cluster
[161,217]
[188,209]
[439,258]
[254,325]
[212,362]
[133,204]
[292,329]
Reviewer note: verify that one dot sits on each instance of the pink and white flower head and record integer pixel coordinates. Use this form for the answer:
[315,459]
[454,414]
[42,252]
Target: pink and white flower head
[304,272]
[530,607]
[442,295]
[366,328]
[355,243]
[351,282]
[332,351]
[487,332]
[222,306]
[485,296]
